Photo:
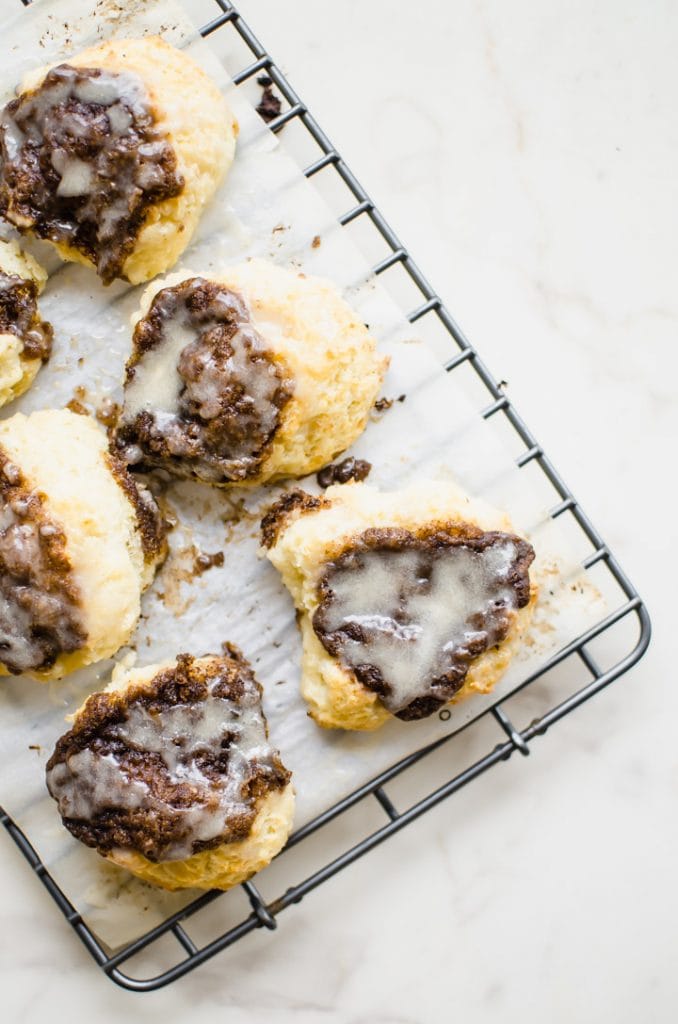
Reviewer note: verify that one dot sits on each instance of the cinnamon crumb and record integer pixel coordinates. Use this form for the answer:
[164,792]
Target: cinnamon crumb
[269,105]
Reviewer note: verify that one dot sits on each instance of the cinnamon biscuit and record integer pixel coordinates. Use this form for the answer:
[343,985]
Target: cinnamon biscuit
[169,773]
[245,377]
[407,601]
[79,542]
[113,155]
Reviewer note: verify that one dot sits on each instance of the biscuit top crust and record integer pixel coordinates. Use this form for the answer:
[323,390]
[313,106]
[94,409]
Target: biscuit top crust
[171,767]
[408,612]
[81,161]
[40,609]
[19,316]
[203,393]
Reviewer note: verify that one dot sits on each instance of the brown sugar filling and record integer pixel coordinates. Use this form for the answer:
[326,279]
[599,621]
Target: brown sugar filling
[19,316]
[408,613]
[170,768]
[203,393]
[81,162]
[40,609]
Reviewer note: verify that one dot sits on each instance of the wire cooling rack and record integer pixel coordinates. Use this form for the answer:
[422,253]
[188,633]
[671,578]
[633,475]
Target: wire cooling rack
[571,677]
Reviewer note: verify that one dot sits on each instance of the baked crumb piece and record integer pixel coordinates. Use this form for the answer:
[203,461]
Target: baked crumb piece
[269,105]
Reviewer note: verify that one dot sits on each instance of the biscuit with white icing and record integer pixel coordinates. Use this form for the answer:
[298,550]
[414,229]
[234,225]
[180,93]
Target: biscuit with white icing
[25,338]
[169,773]
[407,601]
[113,154]
[79,542]
[249,376]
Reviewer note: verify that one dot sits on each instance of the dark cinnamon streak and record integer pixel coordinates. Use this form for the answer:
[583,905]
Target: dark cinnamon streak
[276,518]
[150,523]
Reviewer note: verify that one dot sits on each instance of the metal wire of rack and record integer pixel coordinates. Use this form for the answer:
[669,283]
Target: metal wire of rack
[578,655]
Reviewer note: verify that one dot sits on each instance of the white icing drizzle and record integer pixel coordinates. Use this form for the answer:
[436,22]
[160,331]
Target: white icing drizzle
[76,177]
[13,136]
[205,391]
[103,774]
[417,609]
[90,783]
[156,384]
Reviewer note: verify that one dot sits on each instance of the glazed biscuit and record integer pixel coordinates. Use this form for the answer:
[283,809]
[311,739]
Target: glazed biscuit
[246,377]
[79,542]
[169,773]
[25,338]
[406,601]
[113,155]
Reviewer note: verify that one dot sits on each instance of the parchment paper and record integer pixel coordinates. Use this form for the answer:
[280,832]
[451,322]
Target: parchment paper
[265,208]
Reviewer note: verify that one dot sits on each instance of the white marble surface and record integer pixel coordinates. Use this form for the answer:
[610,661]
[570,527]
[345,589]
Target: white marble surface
[528,155]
